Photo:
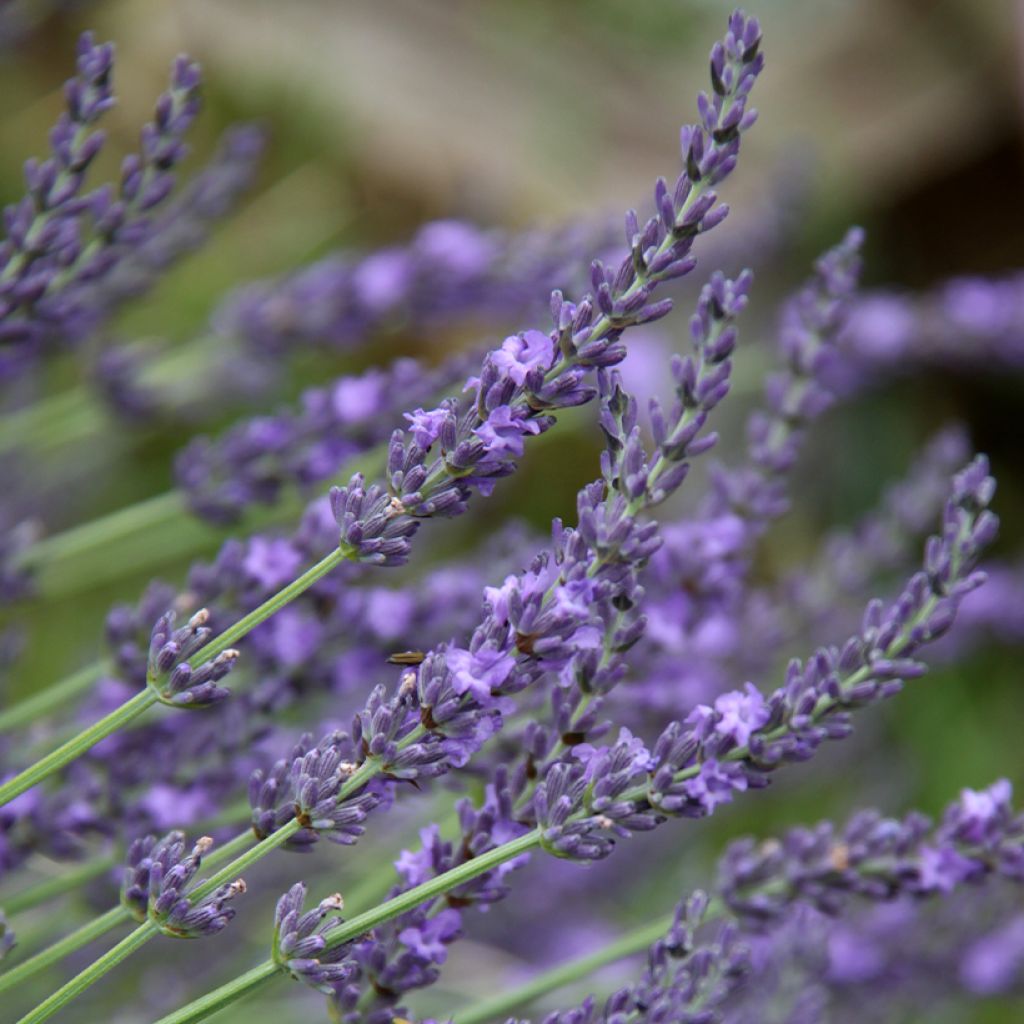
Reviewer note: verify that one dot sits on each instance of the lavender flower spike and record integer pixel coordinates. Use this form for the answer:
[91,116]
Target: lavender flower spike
[156,887]
[811,324]
[762,887]
[171,676]
[700,763]
[61,242]
[300,941]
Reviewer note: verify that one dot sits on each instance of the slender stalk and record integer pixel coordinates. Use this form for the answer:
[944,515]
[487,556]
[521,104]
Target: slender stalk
[113,917]
[76,746]
[498,1006]
[233,870]
[274,604]
[219,998]
[134,707]
[96,970]
[65,947]
[227,874]
[52,698]
[241,986]
[149,514]
[34,895]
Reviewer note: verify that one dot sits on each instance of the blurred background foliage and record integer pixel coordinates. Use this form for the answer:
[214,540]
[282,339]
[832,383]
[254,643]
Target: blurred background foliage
[905,116]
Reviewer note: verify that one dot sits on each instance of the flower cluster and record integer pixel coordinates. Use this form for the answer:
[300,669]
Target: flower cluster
[572,690]
[172,676]
[157,886]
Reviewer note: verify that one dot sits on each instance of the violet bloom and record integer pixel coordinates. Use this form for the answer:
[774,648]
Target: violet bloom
[62,242]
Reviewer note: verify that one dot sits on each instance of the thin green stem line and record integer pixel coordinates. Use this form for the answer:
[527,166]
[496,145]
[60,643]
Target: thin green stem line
[143,515]
[21,425]
[269,607]
[134,707]
[64,947]
[51,698]
[113,917]
[75,747]
[229,873]
[34,895]
[235,989]
[96,970]
[502,1003]
[234,869]
[219,998]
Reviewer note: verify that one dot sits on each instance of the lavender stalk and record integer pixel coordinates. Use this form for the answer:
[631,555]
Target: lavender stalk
[759,884]
[519,386]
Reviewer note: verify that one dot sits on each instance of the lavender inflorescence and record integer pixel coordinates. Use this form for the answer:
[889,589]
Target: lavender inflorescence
[61,240]
[157,887]
[703,967]
[170,674]
[575,691]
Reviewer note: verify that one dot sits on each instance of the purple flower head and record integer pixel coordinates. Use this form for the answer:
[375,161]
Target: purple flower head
[426,426]
[503,431]
[523,353]
[157,883]
[480,671]
[300,940]
[171,674]
[742,713]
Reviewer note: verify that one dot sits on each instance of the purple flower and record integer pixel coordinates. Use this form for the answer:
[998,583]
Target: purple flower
[523,353]
[416,866]
[714,784]
[943,868]
[479,672]
[978,810]
[504,429]
[271,562]
[431,938]
[742,713]
[426,426]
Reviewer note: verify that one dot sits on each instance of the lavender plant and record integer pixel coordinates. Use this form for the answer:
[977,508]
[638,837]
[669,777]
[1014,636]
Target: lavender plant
[532,701]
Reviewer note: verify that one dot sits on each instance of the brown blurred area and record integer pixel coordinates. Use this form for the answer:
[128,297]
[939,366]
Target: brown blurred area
[908,112]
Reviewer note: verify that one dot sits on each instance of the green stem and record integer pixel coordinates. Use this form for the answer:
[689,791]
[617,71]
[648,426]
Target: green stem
[96,970]
[131,709]
[274,604]
[52,698]
[76,747]
[66,946]
[502,1003]
[32,896]
[233,870]
[219,998]
[235,989]
[142,516]
[113,917]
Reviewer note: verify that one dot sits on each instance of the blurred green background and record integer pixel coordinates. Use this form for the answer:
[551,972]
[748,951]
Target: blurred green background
[904,116]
